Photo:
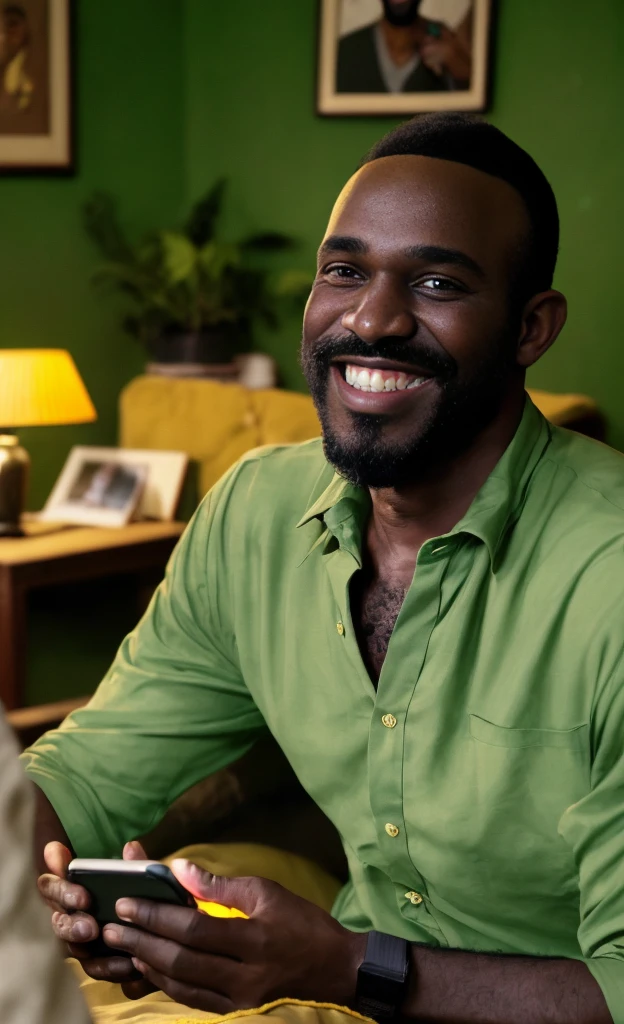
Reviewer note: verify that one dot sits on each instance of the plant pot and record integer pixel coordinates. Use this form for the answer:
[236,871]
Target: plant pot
[207,347]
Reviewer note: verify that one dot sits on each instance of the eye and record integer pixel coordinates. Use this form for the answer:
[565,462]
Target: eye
[433,283]
[341,272]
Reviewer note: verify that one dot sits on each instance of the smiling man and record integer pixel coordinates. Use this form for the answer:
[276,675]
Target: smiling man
[424,609]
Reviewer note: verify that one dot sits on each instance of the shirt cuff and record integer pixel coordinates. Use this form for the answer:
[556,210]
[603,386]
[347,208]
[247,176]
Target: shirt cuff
[609,973]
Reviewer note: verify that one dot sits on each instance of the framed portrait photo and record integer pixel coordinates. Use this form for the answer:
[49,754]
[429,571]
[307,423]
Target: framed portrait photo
[111,486]
[36,87]
[402,57]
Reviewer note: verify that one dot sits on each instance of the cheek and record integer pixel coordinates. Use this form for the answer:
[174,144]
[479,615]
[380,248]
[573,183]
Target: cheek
[465,330]
[324,310]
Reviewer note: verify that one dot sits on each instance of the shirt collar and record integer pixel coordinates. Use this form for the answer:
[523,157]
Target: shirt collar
[495,507]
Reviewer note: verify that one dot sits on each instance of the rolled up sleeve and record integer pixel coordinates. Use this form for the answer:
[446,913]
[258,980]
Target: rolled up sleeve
[172,709]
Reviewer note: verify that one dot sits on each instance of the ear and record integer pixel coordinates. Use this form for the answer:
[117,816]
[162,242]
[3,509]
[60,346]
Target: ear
[543,317]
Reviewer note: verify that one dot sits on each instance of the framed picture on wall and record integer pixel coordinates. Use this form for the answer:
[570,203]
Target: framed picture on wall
[35,86]
[402,57]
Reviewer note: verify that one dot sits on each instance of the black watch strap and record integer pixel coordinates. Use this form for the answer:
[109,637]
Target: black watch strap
[382,977]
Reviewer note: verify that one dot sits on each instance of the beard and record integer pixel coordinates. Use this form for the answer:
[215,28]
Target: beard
[465,406]
[401,14]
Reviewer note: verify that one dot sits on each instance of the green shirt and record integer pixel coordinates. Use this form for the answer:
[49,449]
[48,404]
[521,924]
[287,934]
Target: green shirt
[498,795]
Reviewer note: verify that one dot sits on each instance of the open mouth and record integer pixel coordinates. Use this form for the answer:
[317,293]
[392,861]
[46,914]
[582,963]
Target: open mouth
[364,378]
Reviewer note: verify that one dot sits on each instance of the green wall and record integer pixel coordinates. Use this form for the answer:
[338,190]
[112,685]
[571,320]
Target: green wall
[130,97]
[130,131]
[558,88]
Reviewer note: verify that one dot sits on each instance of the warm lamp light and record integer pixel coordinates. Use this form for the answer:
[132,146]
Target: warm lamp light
[38,387]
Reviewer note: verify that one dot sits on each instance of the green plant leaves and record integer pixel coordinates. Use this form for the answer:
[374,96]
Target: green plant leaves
[202,222]
[179,256]
[190,280]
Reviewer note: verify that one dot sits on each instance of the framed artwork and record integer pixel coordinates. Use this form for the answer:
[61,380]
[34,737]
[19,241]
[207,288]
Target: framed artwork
[35,86]
[402,57]
[111,486]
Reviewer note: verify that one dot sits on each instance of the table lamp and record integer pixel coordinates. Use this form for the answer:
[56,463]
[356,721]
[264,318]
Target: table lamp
[38,387]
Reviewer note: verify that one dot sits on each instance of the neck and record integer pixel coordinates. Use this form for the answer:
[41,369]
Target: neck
[404,518]
[403,41]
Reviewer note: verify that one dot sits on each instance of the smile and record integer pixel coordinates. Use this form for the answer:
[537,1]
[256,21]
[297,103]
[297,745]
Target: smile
[363,379]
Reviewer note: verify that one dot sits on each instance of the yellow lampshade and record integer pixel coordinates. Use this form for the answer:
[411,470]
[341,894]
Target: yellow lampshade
[41,387]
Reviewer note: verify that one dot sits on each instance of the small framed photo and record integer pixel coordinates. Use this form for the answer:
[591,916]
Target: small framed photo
[111,486]
[402,57]
[36,87]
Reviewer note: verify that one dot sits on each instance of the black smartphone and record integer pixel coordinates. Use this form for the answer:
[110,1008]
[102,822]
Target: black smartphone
[107,881]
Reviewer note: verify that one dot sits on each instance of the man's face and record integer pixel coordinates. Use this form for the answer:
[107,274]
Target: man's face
[401,12]
[409,343]
[13,34]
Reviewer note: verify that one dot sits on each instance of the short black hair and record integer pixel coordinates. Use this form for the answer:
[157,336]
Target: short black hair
[467,139]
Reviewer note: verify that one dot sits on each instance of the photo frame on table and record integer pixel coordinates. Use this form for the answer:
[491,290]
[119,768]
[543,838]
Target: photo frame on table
[111,486]
[403,57]
[36,87]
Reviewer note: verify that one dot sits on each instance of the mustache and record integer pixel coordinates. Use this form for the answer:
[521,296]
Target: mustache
[437,363]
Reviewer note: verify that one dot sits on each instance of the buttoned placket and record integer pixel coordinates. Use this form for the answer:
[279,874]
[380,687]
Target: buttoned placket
[390,702]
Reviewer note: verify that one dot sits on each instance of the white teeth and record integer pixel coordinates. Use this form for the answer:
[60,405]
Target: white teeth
[366,380]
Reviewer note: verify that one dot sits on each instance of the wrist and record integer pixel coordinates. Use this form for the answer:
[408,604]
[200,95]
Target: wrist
[355,947]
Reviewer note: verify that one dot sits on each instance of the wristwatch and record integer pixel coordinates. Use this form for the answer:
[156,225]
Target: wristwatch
[382,977]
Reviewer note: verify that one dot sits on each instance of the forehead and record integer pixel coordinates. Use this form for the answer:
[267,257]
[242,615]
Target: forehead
[399,201]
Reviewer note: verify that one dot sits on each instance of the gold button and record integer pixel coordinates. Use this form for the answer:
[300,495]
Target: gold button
[340,628]
[414,897]
[391,829]
[389,721]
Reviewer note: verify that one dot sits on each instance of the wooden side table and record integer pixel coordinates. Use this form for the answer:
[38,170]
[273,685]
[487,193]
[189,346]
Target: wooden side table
[51,555]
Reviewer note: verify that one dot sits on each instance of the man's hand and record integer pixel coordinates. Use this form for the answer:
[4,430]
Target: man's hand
[75,926]
[287,948]
[445,54]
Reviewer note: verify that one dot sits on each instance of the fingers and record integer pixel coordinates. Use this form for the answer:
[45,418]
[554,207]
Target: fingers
[118,969]
[225,937]
[137,989]
[61,894]
[187,995]
[75,928]
[176,961]
[57,858]
[243,893]
[134,851]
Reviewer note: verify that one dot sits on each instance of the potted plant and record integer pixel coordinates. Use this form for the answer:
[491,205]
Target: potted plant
[196,297]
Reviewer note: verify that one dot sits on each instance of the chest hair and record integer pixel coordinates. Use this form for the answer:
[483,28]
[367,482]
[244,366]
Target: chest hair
[375,609]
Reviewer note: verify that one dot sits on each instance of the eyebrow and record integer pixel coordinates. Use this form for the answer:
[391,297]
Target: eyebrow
[429,253]
[343,243]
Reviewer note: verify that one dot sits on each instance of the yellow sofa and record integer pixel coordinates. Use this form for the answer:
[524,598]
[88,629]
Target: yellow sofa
[217,423]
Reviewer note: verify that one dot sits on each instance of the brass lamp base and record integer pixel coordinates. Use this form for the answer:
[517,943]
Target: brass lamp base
[14,466]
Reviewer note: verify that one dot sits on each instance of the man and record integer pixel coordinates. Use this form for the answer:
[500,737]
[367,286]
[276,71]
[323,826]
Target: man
[35,985]
[404,52]
[432,634]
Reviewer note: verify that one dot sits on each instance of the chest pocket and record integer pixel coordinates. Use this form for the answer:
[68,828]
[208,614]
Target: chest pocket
[522,782]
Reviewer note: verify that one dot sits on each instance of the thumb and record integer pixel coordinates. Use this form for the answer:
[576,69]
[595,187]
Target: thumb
[134,851]
[214,893]
[57,859]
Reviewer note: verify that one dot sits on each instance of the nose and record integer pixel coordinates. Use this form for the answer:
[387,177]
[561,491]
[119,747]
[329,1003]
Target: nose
[382,310]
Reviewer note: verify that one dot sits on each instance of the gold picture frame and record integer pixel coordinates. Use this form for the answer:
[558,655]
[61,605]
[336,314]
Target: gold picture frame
[36,87]
[357,74]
